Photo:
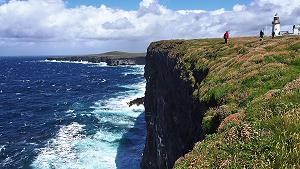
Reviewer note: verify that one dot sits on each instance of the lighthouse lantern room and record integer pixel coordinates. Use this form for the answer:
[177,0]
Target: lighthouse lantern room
[276,25]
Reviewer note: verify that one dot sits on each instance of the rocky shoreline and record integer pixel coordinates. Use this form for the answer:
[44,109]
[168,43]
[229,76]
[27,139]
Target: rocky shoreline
[111,58]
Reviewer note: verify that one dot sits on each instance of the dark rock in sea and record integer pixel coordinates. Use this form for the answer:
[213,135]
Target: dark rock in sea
[137,101]
[111,58]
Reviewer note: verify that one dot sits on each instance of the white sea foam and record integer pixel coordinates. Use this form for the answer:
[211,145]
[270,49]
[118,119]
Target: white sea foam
[119,105]
[101,64]
[138,70]
[70,111]
[70,149]
[6,161]
[60,150]
[2,147]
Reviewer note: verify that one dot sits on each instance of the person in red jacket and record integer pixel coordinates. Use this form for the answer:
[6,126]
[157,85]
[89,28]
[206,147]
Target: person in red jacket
[226,36]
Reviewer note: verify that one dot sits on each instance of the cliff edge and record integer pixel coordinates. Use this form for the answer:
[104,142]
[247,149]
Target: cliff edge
[215,105]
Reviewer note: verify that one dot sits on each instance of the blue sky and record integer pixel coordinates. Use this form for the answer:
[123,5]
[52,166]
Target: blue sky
[63,27]
[172,4]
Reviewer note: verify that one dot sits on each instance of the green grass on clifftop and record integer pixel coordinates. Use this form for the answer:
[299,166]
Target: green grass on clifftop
[255,87]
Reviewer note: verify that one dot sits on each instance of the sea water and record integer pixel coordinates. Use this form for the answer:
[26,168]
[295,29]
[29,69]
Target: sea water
[69,115]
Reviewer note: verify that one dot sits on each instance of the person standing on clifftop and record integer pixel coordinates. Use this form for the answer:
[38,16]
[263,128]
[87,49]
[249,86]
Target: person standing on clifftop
[273,34]
[261,35]
[226,36]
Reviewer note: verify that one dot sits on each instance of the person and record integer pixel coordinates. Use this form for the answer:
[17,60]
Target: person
[294,29]
[226,36]
[273,34]
[261,34]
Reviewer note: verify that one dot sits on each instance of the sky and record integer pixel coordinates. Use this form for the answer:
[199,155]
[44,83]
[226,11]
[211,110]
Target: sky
[172,4]
[70,27]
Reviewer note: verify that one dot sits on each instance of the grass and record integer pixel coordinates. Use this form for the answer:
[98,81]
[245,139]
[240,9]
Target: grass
[260,79]
[295,46]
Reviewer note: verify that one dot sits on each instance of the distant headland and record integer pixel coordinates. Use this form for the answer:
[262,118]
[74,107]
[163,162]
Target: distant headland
[113,58]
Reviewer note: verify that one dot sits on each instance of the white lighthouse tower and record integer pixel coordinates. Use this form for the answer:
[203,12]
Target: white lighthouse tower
[276,25]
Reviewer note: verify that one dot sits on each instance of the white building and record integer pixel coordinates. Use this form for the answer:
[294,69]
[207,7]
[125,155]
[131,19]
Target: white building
[276,25]
[296,29]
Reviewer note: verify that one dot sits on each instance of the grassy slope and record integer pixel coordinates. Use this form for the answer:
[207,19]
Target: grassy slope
[256,86]
[119,55]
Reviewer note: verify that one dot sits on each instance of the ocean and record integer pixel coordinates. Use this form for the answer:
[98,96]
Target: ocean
[70,115]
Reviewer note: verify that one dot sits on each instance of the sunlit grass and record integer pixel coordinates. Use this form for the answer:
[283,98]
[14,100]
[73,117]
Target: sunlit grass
[255,88]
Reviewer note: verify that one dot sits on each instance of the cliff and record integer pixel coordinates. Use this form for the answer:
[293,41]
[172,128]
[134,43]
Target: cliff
[111,58]
[213,105]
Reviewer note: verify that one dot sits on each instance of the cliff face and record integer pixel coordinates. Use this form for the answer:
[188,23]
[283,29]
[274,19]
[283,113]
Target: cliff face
[239,100]
[173,116]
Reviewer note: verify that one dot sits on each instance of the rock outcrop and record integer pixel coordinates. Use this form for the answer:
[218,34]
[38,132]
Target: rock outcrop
[137,101]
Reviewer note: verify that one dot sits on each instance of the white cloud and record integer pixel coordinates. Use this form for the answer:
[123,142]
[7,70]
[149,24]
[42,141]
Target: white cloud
[49,22]
[238,8]
[122,23]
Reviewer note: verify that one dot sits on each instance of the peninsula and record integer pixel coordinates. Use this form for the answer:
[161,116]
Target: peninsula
[114,58]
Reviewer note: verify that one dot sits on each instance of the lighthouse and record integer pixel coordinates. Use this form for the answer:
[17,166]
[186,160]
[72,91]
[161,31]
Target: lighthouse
[276,25]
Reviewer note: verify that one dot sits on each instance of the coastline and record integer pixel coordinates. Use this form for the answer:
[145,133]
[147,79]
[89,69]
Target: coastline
[114,58]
